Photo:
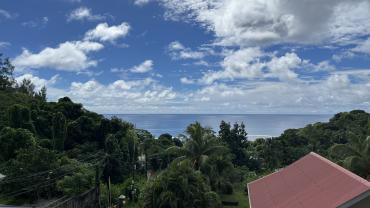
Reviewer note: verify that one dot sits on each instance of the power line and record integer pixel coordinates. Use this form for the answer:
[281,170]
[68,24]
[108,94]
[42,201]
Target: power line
[24,177]
[53,202]
[37,186]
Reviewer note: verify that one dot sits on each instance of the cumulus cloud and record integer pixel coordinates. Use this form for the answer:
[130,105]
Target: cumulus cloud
[141,2]
[68,56]
[254,64]
[84,13]
[144,67]
[103,32]
[334,93]
[122,95]
[179,51]
[281,67]
[241,23]
[37,81]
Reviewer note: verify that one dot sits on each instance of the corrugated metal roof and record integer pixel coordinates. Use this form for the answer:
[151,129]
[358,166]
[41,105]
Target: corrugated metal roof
[312,181]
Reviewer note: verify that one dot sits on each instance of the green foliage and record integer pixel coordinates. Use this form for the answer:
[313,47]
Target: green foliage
[165,140]
[27,162]
[236,139]
[80,131]
[27,87]
[20,117]
[12,140]
[219,169]
[80,181]
[59,130]
[6,73]
[51,148]
[201,144]
[69,109]
[355,156]
[180,186]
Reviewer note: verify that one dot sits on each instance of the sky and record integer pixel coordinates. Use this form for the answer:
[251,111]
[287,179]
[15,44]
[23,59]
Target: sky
[193,56]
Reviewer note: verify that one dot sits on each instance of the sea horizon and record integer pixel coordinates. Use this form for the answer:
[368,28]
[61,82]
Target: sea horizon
[261,125]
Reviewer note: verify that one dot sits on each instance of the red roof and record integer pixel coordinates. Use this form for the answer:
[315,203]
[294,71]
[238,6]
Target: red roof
[312,181]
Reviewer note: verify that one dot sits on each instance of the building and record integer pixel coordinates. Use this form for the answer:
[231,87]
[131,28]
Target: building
[311,182]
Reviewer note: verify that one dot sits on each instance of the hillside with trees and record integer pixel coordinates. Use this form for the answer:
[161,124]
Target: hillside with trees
[53,150]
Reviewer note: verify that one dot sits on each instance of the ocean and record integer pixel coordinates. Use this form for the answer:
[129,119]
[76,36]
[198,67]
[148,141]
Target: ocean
[257,125]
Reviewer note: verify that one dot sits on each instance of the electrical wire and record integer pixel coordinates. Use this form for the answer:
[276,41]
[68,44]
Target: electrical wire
[37,186]
[24,177]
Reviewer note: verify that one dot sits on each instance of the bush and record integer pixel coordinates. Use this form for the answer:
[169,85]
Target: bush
[227,188]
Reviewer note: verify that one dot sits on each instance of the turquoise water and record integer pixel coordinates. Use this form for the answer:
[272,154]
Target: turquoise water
[257,125]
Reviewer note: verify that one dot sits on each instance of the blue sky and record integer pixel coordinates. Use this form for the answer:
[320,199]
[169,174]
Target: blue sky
[193,56]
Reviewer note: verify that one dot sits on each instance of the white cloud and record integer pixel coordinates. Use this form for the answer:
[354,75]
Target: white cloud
[122,95]
[104,32]
[281,67]
[337,81]
[363,47]
[84,13]
[68,56]
[179,51]
[144,67]
[186,80]
[245,23]
[41,22]
[141,2]
[7,14]
[338,57]
[4,44]
[253,64]
[333,94]
[37,81]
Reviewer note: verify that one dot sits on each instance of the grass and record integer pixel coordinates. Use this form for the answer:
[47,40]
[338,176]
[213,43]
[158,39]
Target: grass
[239,195]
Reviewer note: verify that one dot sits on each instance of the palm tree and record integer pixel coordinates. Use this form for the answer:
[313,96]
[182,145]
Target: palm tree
[201,144]
[354,156]
[180,186]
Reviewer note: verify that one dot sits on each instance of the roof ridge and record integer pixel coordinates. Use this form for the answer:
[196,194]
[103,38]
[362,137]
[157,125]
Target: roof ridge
[341,169]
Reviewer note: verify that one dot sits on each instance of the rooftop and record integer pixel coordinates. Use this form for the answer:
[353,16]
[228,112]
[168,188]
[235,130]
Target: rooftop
[312,181]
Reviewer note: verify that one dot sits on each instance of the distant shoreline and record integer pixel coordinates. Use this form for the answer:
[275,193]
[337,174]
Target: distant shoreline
[257,125]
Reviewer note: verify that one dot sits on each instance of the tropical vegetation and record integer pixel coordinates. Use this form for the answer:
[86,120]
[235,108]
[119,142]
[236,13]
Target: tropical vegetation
[60,149]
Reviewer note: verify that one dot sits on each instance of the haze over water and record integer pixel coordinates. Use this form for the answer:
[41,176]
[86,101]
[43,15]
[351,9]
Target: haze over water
[257,125]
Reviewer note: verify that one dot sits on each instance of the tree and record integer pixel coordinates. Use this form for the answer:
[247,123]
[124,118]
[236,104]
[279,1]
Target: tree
[80,181]
[12,140]
[20,117]
[42,94]
[6,73]
[354,156]
[180,186]
[27,87]
[71,110]
[80,131]
[236,139]
[129,146]
[165,140]
[29,161]
[199,147]
[59,130]
[219,169]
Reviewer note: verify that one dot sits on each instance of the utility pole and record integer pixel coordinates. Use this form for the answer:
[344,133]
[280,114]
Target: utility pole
[109,193]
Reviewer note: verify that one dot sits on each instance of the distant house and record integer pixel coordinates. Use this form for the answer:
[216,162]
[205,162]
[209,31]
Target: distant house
[311,182]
